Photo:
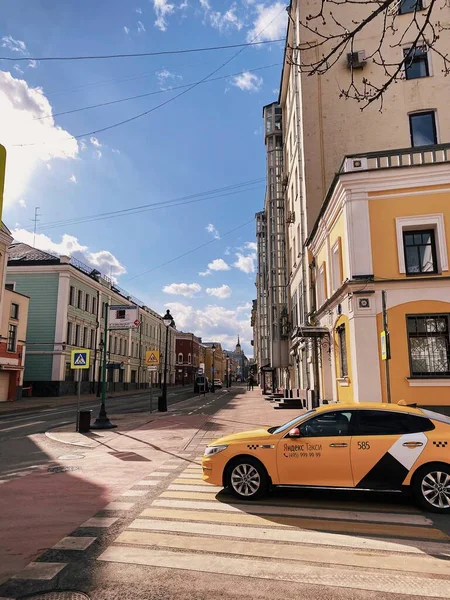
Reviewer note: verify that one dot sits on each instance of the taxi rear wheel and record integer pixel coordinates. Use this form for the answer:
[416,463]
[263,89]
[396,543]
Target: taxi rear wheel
[431,487]
[247,478]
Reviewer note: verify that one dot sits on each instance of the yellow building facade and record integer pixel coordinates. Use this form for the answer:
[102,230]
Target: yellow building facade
[384,229]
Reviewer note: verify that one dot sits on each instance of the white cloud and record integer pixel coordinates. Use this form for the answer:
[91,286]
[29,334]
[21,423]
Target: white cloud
[248,82]
[251,246]
[140,27]
[127,31]
[139,11]
[205,273]
[14,45]
[184,4]
[214,322]
[226,20]
[83,145]
[22,203]
[182,289]
[245,263]
[245,308]
[213,231]
[32,64]
[227,251]
[270,22]
[164,76]
[69,245]
[205,4]
[21,109]
[115,151]
[94,141]
[98,154]
[162,9]
[218,264]
[73,179]
[18,69]
[224,291]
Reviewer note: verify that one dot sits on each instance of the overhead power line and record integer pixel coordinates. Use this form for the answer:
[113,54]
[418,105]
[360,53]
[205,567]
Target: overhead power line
[138,54]
[165,90]
[190,251]
[182,93]
[197,197]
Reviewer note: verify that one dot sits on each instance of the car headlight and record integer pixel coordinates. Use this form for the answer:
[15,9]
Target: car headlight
[210,450]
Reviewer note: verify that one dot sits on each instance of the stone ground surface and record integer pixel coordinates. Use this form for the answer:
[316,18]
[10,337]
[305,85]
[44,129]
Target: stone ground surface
[145,525]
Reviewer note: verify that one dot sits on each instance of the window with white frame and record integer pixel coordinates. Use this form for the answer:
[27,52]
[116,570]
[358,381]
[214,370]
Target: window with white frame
[421,244]
[299,241]
[189,358]
[180,357]
[336,265]
[416,62]
[321,285]
[423,128]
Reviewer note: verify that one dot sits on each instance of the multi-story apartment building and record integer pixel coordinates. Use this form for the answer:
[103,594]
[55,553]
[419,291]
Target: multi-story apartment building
[13,328]
[67,310]
[322,132]
[187,357]
[239,360]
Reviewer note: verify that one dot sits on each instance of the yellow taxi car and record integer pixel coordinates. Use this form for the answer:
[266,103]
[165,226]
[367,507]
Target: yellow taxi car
[359,446]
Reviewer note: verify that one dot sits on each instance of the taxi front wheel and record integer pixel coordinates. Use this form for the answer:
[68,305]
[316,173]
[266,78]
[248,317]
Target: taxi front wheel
[431,487]
[247,478]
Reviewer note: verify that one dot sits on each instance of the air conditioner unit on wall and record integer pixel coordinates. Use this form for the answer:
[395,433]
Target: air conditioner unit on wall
[355,164]
[356,60]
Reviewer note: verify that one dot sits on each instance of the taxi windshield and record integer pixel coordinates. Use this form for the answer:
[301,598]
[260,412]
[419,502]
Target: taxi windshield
[291,423]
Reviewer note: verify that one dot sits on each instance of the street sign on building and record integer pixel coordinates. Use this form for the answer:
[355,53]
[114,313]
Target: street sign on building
[152,369]
[123,317]
[79,359]
[384,342]
[152,358]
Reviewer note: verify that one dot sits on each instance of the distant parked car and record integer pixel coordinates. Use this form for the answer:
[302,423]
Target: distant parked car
[201,384]
[217,383]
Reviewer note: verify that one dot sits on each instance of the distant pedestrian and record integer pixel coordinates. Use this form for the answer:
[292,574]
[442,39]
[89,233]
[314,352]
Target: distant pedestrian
[251,383]
[248,383]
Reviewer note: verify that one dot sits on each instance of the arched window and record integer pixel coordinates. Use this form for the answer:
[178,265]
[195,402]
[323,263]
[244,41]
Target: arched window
[189,358]
[180,358]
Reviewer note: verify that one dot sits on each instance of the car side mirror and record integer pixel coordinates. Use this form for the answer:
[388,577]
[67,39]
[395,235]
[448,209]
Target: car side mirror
[295,433]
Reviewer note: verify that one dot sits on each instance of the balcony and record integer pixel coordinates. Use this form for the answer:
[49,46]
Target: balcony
[404,157]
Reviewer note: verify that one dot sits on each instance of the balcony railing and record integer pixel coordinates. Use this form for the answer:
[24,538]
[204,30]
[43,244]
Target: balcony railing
[404,157]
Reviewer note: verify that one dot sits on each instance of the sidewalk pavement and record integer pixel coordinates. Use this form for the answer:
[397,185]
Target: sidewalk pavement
[24,404]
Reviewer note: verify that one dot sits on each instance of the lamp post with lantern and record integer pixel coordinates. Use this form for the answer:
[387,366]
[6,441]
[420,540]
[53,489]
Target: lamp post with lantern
[162,400]
[102,421]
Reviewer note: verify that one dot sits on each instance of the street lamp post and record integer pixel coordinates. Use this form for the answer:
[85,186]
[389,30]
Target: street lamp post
[213,350]
[162,400]
[102,421]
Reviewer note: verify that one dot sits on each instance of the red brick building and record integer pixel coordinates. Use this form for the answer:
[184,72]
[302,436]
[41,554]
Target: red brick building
[187,358]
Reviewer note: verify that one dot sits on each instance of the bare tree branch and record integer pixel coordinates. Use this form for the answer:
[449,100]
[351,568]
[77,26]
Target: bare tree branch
[333,31]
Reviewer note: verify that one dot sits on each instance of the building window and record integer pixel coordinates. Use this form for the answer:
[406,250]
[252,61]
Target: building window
[133,376]
[14,312]
[421,224]
[77,335]
[409,6]
[94,305]
[416,62]
[420,252]
[72,296]
[180,357]
[85,337]
[70,373]
[125,347]
[12,338]
[336,265]
[321,285]
[80,299]
[189,358]
[103,309]
[10,286]
[423,129]
[87,303]
[429,345]
[342,340]
[69,333]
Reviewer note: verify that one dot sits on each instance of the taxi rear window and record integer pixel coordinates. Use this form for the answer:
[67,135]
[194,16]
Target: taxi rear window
[436,416]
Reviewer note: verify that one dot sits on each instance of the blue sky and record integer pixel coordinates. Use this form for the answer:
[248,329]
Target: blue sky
[208,139]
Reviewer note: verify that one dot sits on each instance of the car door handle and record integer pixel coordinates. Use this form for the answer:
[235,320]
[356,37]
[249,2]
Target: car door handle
[338,445]
[413,444]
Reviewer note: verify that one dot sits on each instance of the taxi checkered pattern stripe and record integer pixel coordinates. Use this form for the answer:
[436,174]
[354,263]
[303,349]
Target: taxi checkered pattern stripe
[440,444]
[253,446]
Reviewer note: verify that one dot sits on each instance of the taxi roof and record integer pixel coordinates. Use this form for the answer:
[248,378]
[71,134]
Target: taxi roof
[369,405]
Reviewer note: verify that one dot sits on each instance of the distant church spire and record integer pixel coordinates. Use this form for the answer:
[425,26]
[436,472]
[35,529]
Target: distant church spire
[239,343]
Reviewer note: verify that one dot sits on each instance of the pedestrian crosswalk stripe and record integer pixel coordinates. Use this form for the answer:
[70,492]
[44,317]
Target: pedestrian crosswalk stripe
[305,537]
[159,474]
[194,488]
[299,573]
[393,562]
[191,480]
[99,522]
[354,527]
[291,511]
[40,570]
[147,482]
[119,506]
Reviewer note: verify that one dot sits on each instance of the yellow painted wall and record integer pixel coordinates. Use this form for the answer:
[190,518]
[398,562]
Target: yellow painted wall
[399,363]
[344,393]
[383,212]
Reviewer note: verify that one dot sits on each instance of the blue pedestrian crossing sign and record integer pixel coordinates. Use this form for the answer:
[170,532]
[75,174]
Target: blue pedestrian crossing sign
[80,359]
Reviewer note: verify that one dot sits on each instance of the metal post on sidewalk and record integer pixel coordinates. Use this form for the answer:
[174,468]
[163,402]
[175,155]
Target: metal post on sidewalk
[102,421]
[78,399]
[151,395]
